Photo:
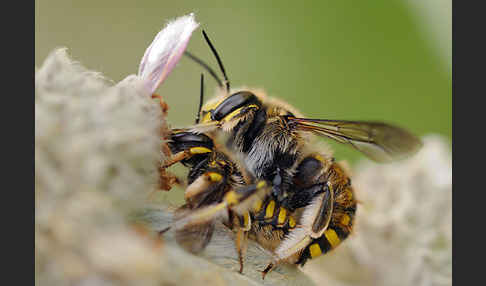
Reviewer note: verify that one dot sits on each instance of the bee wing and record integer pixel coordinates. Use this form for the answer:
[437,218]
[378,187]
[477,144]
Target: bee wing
[194,238]
[379,141]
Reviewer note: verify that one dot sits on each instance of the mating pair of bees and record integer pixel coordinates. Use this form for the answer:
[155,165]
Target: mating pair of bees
[252,165]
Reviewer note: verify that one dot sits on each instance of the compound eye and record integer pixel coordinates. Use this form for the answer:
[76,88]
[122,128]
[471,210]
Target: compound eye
[185,137]
[235,101]
[185,140]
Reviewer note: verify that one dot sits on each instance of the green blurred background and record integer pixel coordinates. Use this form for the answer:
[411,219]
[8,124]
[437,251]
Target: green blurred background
[386,60]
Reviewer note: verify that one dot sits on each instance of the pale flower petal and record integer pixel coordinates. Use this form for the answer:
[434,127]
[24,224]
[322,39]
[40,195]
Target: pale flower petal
[166,50]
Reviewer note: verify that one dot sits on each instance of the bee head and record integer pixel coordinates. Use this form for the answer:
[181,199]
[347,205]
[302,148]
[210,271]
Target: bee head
[232,109]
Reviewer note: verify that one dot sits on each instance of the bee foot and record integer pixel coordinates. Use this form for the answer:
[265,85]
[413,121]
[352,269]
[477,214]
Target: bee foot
[267,269]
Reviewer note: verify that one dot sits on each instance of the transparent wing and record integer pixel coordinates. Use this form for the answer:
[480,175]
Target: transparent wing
[380,142]
[193,238]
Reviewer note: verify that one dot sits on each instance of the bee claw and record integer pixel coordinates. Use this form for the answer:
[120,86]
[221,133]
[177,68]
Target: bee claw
[269,267]
[161,232]
[241,263]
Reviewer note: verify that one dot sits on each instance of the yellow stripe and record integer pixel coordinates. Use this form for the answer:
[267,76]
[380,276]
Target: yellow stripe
[332,237]
[270,209]
[214,177]
[231,115]
[282,215]
[246,220]
[315,250]
[202,215]
[237,112]
[231,198]
[199,150]
[261,184]
[345,219]
[292,222]
[319,157]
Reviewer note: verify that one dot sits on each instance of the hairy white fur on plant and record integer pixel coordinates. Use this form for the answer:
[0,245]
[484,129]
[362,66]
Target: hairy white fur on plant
[166,50]
[403,228]
[91,134]
[97,146]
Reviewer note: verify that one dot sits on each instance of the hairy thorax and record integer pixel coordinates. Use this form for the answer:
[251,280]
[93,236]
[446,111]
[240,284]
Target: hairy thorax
[274,148]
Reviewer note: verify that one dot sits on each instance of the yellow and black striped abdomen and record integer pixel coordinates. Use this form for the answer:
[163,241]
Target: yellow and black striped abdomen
[269,212]
[342,218]
[338,230]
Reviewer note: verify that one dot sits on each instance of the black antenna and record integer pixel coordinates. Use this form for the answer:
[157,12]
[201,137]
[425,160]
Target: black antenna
[205,66]
[218,59]
[201,99]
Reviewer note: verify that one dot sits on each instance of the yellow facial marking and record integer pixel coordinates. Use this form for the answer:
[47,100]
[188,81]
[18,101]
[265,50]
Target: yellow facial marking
[208,107]
[292,222]
[257,206]
[212,105]
[270,209]
[231,198]
[212,164]
[315,250]
[214,177]
[282,215]
[332,237]
[206,118]
[199,150]
[345,219]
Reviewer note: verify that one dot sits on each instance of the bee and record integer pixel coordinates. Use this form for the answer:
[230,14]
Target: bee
[266,180]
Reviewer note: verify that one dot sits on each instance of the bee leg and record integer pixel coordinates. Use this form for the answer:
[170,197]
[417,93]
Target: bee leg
[314,221]
[185,155]
[238,201]
[203,183]
[166,181]
[241,243]
[243,224]
[163,106]
[269,268]
[244,199]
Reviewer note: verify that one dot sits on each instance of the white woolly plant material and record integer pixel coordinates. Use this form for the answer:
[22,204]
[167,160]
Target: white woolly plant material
[403,229]
[97,147]
[91,134]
